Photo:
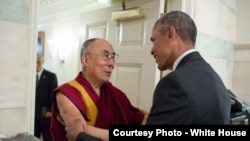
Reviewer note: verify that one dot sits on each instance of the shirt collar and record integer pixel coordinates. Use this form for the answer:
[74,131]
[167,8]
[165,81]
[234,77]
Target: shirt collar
[177,61]
[40,73]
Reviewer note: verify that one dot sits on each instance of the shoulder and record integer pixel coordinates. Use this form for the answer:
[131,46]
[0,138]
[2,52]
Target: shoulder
[47,72]
[173,80]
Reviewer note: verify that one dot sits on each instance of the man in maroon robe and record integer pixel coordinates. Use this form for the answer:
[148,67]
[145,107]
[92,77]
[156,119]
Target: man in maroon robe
[91,98]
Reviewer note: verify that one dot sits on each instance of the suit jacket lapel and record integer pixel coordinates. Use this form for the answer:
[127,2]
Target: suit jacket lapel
[42,78]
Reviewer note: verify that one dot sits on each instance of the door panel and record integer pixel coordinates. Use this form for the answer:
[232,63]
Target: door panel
[97,30]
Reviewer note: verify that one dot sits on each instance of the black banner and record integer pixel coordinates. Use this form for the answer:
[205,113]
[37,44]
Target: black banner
[161,132]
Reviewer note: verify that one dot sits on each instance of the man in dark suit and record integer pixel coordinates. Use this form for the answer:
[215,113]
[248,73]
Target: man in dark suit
[193,93]
[46,83]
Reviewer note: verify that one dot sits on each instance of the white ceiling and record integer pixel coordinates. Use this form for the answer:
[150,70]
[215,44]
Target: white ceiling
[67,3]
[51,9]
[55,6]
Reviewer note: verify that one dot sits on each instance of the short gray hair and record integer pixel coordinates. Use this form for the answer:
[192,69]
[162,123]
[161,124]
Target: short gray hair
[86,44]
[182,22]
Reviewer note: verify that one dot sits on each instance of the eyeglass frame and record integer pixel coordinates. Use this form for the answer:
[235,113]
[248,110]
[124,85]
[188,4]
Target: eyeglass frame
[106,55]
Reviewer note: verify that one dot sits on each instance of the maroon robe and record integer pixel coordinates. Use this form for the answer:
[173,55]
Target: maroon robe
[113,107]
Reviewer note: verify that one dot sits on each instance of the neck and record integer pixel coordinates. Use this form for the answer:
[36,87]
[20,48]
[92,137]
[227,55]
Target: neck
[96,85]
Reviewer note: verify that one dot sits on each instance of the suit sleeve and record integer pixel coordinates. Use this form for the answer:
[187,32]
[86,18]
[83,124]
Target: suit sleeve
[85,137]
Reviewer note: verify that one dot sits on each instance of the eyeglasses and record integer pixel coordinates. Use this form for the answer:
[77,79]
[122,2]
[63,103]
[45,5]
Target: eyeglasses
[106,55]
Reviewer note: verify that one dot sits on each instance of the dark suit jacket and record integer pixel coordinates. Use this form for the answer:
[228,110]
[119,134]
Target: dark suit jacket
[44,89]
[192,94]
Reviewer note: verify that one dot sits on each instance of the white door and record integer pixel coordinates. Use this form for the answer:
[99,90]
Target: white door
[136,72]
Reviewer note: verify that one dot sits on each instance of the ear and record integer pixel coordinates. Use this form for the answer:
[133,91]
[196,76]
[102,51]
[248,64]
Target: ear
[171,32]
[84,59]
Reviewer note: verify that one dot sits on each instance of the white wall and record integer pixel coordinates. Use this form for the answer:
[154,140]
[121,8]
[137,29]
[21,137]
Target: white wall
[243,22]
[18,40]
[241,77]
[216,22]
